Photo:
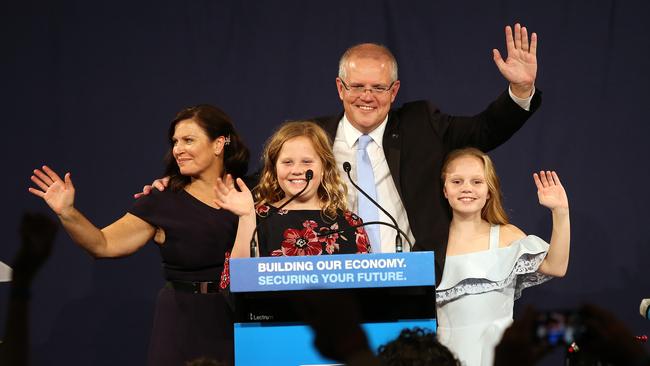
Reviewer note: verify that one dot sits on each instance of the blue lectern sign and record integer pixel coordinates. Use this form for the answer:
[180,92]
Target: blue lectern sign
[331,272]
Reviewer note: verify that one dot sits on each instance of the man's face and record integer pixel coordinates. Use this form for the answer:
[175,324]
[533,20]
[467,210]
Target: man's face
[368,108]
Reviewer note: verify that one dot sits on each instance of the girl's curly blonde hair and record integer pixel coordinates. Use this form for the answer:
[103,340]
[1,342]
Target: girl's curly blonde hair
[332,191]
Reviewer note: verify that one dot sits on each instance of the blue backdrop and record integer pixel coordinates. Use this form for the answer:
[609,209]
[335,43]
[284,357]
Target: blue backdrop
[90,88]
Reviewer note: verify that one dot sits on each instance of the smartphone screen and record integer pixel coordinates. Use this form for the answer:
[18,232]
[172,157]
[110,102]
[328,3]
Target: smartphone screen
[558,327]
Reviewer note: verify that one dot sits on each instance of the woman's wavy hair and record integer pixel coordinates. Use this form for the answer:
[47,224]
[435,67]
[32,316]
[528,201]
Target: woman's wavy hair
[493,211]
[332,191]
[215,123]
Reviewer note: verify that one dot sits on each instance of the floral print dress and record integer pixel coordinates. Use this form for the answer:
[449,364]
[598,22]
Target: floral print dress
[305,232]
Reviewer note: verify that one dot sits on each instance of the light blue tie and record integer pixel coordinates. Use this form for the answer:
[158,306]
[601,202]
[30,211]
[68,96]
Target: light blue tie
[367,210]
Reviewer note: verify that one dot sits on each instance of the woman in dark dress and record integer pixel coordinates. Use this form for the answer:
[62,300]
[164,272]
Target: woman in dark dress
[192,318]
[317,221]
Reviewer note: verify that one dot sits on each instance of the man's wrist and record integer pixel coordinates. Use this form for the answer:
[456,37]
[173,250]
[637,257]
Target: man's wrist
[523,102]
[522,91]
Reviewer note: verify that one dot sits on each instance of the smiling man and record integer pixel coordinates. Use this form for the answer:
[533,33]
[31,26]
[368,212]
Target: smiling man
[397,153]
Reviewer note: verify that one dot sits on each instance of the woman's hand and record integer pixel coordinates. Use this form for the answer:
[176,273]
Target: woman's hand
[119,239]
[239,203]
[56,192]
[550,192]
[159,184]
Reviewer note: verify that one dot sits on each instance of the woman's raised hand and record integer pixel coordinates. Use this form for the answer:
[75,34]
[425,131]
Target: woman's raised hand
[550,192]
[56,192]
[228,197]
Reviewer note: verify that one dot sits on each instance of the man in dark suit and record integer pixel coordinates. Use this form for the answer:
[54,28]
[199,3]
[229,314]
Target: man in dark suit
[409,143]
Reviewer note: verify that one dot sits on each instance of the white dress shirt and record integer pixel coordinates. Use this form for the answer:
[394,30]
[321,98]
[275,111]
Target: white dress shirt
[345,144]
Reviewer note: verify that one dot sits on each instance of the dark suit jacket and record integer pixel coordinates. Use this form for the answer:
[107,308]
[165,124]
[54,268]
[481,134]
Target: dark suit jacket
[417,139]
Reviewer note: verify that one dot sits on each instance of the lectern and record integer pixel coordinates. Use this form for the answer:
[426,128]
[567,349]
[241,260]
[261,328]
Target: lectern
[394,291]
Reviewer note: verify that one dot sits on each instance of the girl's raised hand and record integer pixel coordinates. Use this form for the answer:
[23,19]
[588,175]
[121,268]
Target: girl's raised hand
[239,203]
[550,192]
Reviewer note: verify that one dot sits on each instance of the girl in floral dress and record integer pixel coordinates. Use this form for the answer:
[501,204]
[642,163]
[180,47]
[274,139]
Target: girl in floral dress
[316,222]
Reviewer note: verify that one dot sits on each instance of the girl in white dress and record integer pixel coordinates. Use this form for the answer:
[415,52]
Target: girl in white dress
[489,261]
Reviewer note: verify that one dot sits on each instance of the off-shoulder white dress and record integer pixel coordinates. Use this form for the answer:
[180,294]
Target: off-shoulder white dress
[476,295]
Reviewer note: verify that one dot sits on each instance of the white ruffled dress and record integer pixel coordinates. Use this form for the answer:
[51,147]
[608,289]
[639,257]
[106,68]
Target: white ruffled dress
[475,298]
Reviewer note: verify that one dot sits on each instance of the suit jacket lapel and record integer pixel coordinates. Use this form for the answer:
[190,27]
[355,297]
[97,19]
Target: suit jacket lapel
[392,144]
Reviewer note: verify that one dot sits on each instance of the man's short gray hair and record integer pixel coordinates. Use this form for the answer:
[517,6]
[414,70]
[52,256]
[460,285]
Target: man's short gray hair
[369,50]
